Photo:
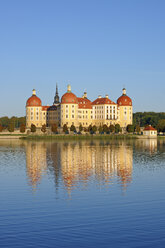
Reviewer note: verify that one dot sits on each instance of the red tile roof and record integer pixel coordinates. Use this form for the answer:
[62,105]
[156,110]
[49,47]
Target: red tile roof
[44,108]
[69,97]
[124,101]
[102,101]
[34,101]
[149,128]
[84,103]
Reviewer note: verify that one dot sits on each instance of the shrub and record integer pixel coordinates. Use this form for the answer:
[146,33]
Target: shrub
[54,128]
[72,128]
[65,128]
[22,128]
[11,127]
[111,128]
[33,128]
[43,128]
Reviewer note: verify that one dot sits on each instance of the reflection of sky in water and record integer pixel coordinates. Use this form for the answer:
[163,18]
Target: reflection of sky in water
[82,194]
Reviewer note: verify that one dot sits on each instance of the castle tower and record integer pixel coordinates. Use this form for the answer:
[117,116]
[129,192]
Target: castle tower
[56,98]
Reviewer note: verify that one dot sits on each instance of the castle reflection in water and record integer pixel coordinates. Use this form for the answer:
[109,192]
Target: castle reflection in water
[76,164]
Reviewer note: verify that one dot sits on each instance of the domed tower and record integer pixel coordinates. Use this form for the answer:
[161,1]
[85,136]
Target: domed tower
[69,108]
[125,109]
[34,111]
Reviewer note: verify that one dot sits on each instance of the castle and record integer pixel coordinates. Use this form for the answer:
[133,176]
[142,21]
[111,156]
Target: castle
[73,110]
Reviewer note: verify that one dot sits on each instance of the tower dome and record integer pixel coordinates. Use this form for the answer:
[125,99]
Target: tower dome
[34,101]
[124,100]
[69,97]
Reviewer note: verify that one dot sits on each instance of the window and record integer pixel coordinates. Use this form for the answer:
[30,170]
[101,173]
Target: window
[73,116]
[72,106]
[66,116]
[66,106]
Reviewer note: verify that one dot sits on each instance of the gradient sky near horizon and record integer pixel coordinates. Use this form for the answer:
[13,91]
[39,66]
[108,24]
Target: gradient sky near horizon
[96,45]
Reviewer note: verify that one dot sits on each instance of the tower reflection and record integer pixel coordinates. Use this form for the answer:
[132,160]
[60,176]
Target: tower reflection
[78,164]
[36,162]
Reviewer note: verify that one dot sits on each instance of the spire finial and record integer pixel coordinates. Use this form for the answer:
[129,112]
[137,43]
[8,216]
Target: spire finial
[56,88]
[69,88]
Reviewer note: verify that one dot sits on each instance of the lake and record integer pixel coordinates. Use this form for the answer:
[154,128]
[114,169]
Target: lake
[82,194]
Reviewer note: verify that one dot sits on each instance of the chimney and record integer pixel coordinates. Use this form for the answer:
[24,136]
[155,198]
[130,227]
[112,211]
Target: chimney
[99,96]
[106,96]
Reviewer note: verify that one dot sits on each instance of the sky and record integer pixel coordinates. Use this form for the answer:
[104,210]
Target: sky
[99,46]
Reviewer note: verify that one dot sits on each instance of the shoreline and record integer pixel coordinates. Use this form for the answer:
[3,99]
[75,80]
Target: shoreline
[78,137]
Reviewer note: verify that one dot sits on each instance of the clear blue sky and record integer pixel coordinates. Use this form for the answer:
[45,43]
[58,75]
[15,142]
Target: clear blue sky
[97,45]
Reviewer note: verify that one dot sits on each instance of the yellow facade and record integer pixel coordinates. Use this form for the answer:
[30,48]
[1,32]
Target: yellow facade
[81,111]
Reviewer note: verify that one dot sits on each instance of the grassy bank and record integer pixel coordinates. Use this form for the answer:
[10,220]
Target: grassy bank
[78,137]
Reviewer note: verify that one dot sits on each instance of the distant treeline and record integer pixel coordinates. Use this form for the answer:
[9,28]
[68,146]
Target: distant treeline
[140,118]
[15,121]
[148,118]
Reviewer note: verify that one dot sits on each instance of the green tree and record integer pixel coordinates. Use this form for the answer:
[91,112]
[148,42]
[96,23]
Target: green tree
[54,128]
[1,127]
[90,128]
[72,128]
[105,128]
[43,128]
[117,128]
[111,128]
[161,125]
[11,127]
[80,128]
[137,128]
[94,129]
[65,128]
[33,128]
[130,128]
[100,129]
[22,128]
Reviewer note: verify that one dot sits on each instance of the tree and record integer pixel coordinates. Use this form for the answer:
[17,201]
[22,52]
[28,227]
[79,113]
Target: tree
[72,128]
[80,128]
[137,129]
[33,128]
[100,129]
[111,128]
[94,129]
[22,128]
[161,125]
[85,129]
[54,128]
[1,127]
[117,128]
[65,128]
[43,128]
[11,127]
[105,128]
[130,128]
[90,128]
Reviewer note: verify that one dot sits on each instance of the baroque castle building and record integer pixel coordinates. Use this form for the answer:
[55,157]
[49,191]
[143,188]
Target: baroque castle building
[73,110]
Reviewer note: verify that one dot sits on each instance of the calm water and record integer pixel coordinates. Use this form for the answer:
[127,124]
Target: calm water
[82,194]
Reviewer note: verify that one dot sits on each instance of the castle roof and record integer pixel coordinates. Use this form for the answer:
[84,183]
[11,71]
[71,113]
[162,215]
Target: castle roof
[34,101]
[103,100]
[124,100]
[84,103]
